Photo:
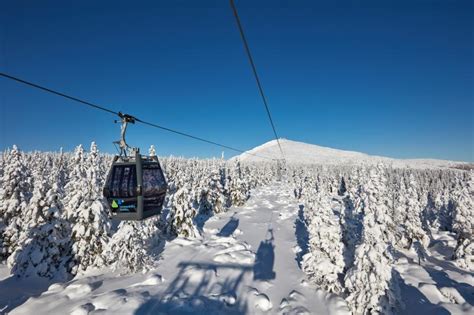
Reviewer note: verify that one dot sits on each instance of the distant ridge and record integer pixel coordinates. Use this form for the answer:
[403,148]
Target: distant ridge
[305,153]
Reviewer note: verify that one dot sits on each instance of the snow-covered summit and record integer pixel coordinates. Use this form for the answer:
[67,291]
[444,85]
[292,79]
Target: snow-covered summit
[305,153]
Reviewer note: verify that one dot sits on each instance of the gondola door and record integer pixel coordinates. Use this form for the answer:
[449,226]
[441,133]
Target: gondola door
[123,188]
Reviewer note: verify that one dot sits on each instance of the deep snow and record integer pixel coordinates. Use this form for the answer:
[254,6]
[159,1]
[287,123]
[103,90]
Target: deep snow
[236,267]
[246,262]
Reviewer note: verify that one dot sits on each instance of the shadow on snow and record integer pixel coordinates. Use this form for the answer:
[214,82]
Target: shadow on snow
[194,292]
[415,301]
[442,279]
[229,228]
[14,291]
[264,259]
[200,220]
[302,235]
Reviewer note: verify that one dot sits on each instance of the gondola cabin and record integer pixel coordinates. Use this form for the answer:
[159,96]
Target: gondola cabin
[136,187]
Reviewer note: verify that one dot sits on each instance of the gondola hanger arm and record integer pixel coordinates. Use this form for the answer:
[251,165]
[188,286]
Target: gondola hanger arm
[125,119]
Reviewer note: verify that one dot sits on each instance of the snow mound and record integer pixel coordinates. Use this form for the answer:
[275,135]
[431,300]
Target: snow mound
[152,280]
[260,300]
[75,291]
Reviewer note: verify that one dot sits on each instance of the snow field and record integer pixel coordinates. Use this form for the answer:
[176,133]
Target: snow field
[208,275]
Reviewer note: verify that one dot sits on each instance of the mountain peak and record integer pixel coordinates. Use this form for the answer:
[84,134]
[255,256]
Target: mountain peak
[304,153]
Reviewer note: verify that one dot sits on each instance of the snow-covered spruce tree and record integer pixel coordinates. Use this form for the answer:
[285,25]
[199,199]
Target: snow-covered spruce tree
[45,251]
[152,151]
[212,198]
[15,194]
[239,190]
[2,164]
[445,205]
[3,249]
[47,178]
[356,179]
[251,175]
[74,195]
[60,171]
[3,245]
[369,282]
[463,225]
[183,213]
[297,187]
[324,263]
[167,222]
[128,249]
[447,199]
[424,196]
[351,224]
[32,213]
[430,212]
[415,235]
[307,187]
[399,215]
[342,187]
[91,227]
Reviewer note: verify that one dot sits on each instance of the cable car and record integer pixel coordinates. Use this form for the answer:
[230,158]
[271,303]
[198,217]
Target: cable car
[136,186]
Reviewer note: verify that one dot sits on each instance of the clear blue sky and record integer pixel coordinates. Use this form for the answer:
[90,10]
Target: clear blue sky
[392,78]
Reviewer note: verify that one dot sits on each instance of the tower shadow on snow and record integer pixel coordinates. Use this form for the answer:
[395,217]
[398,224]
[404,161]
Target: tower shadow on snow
[185,295]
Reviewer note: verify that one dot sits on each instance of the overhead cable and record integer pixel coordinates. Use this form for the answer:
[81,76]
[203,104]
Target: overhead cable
[254,70]
[99,107]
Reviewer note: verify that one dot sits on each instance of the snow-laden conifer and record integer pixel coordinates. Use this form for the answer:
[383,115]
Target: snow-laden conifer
[128,249]
[415,235]
[152,151]
[74,189]
[45,249]
[15,194]
[91,227]
[324,263]
[351,223]
[239,190]
[369,282]
[212,199]
[412,221]
[463,225]
[184,213]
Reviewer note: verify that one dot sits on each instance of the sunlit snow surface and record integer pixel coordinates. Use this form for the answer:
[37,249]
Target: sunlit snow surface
[246,263]
[436,286]
[303,153]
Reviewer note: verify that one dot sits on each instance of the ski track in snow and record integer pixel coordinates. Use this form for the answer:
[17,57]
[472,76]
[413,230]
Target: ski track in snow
[242,264]
[245,263]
